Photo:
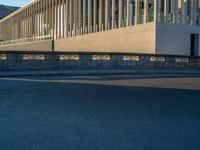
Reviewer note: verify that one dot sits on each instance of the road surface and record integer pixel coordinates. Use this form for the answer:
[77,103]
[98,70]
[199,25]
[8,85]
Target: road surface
[127,112]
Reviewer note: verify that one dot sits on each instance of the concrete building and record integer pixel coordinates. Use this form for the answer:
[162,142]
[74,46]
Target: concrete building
[136,26]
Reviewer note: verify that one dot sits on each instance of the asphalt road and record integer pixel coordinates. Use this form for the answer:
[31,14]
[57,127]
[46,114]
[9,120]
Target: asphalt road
[132,112]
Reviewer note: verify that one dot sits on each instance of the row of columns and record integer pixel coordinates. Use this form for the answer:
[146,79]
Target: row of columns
[50,17]
[66,18]
[179,12]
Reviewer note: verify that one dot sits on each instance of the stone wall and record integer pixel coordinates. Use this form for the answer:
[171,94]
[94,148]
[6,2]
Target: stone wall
[64,61]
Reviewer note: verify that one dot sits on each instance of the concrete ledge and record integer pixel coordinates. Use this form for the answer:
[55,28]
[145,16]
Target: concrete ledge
[4,74]
[34,46]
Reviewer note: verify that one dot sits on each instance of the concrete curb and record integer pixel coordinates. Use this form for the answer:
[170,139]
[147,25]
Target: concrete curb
[4,74]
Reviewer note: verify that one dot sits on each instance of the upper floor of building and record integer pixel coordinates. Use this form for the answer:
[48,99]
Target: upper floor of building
[56,19]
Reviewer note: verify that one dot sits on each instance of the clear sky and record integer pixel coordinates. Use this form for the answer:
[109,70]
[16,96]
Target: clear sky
[18,3]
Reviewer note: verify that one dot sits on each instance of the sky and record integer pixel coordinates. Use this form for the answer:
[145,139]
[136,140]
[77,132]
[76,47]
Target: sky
[18,3]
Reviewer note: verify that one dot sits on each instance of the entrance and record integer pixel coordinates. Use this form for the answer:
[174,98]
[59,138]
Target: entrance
[194,45]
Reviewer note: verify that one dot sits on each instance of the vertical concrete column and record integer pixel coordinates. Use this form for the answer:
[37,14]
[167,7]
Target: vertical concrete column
[67,17]
[79,17]
[194,12]
[8,30]
[89,16]
[25,24]
[182,11]
[156,10]
[42,17]
[84,15]
[47,18]
[137,9]
[146,11]
[49,15]
[60,18]
[12,27]
[166,10]
[33,20]
[109,14]
[113,14]
[106,14]
[120,14]
[19,25]
[40,6]
[53,18]
[38,19]
[63,18]
[70,16]
[186,12]
[35,33]
[31,23]
[128,13]
[94,15]
[100,14]
[14,32]
[56,19]
[75,17]
[48,26]
[22,25]
[175,11]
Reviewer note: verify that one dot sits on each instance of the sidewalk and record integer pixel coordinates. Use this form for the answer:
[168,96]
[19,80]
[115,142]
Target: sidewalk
[92,72]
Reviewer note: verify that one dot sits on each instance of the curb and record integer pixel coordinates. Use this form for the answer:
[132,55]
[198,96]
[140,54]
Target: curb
[93,72]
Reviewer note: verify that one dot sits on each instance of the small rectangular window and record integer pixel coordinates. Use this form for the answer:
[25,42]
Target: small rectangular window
[157,59]
[182,60]
[69,57]
[101,57]
[33,57]
[131,58]
[3,57]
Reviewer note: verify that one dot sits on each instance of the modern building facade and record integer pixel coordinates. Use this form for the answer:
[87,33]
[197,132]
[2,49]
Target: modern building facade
[136,26]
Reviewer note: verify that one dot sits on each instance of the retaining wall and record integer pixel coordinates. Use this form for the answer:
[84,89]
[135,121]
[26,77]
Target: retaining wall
[58,60]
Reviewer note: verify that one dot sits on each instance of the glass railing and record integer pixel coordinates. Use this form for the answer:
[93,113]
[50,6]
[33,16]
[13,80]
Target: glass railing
[26,40]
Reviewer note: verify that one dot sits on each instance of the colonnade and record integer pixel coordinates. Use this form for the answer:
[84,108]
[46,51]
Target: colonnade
[66,18]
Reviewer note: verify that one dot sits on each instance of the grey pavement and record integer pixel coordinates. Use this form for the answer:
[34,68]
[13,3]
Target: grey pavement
[100,112]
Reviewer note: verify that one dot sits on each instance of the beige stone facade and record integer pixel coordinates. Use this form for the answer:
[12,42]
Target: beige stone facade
[137,26]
